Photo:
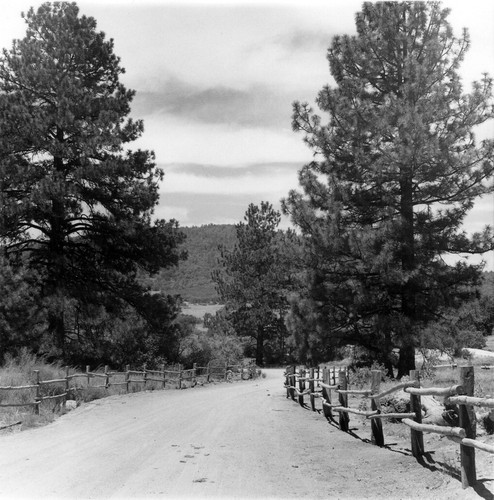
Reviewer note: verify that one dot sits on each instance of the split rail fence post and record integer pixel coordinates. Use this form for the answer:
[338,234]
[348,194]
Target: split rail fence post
[37,398]
[88,376]
[145,376]
[376,423]
[194,374]
[179,376]
[417,437]
[127,377]
[301,386]
[312,386]
[67,387]
[288,380]
[467,421]
[293,381]
[107,379]
[209,372]
[164,377]
[226,371]
[343,399]
[326,393]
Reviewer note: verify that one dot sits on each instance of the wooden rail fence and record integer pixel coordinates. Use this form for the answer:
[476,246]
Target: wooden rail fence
[323,384]
[175,375]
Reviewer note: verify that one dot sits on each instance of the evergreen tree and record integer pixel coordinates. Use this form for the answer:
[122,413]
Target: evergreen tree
[21,318]
[73,202]
[255,281]
[395,171]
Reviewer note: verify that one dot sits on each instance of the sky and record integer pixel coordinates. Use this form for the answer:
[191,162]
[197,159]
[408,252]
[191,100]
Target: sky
[215,84]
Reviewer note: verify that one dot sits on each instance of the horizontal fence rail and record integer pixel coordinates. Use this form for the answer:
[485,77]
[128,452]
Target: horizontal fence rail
[175,375]
[331,383]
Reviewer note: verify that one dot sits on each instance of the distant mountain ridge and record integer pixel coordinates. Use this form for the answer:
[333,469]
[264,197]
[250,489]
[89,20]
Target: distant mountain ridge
[192,278]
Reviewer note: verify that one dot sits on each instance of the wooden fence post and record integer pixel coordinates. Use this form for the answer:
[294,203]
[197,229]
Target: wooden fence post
[88,375]
[312,386]
[107,379]
[376,423]
[343,399]
[37,398]
[179,376]
[288,380]
[417,437]
[293,381]
[209,372]
[164,375]
[127,377]
[145,375]
[326,393]
[301,386]
[226,371]
[67,387]
[194,373]
[467,421]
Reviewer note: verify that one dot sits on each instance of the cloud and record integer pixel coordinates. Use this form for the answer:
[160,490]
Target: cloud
[177,212]
[256,106]
[273,180]
[197,194]
[211,208]
[177,140]
[232,171]
[304,40]
[481,215]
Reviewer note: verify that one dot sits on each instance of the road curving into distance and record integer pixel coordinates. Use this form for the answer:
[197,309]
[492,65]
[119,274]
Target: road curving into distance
[238,440]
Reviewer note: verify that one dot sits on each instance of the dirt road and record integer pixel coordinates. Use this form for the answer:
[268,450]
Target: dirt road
[239,440]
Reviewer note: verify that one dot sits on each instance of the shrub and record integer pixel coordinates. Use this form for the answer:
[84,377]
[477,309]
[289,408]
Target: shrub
[361,377]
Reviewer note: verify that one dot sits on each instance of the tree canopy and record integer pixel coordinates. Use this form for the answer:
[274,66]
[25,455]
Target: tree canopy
[74,204]
[255,280]
[396,168]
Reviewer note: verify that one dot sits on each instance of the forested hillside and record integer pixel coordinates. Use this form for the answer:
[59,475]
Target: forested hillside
[192,278]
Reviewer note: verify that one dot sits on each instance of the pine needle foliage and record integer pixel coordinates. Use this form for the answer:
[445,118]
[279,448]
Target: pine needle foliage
[75,204]
[396,168]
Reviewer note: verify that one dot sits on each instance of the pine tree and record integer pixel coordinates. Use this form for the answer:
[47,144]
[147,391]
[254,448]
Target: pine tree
[73,202]
[21,317]
[255,281]
[395,171]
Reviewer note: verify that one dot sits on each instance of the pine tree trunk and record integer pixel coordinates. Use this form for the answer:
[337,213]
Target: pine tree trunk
[56,327]
[56,323]
[388,366]
[406,360]
[260,348]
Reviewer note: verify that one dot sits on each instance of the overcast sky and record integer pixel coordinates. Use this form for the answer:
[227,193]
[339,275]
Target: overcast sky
[215,82]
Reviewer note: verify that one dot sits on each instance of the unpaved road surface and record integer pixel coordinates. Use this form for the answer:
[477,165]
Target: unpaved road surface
[239,440]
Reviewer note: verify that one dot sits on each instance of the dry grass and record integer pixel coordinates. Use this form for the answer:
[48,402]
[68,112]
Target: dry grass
[20,372]
[442,377]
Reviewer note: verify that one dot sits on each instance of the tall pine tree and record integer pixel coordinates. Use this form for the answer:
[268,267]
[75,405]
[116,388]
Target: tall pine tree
[395,171]
[74,204]
[255,280]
